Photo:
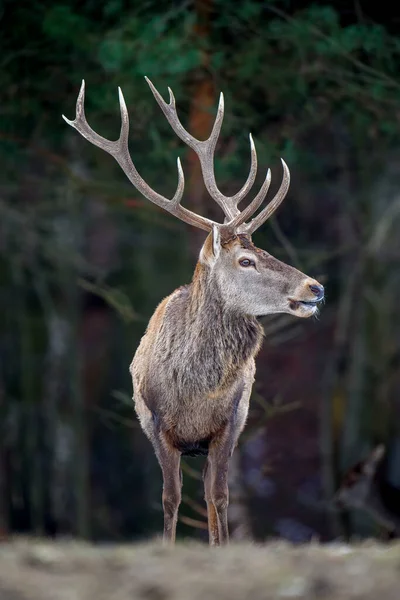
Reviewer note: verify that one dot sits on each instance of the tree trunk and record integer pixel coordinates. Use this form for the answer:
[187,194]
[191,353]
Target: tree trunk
[200,117]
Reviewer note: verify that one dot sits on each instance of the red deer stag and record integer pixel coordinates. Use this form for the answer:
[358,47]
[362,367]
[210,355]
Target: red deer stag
[194,368]
[366,487]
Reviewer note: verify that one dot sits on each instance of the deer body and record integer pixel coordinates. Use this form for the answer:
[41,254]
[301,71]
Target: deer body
[195,364]
[194,368]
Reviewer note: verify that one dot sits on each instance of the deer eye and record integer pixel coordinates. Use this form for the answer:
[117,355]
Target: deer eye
[246,262]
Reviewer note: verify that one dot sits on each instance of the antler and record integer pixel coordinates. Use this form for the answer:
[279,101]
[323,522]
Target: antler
[119,150]
[205,151]
[271,206]
[235,221]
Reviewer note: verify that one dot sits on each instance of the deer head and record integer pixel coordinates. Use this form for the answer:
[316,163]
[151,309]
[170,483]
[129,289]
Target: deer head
[249,279]
[253,282]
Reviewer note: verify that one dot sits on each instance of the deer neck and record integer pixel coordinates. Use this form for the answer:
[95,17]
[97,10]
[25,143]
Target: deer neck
[232,336]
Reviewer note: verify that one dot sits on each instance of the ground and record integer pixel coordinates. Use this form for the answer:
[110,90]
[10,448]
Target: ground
[70,571]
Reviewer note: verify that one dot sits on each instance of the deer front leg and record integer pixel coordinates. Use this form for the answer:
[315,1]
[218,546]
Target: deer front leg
[169,459]
[213,534]
[219,455]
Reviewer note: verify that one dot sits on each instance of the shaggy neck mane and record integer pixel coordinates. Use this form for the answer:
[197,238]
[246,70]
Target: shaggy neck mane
[223,336]
[203,345]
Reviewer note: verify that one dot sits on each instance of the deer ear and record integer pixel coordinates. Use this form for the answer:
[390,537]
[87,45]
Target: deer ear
[216,241]
[211,248]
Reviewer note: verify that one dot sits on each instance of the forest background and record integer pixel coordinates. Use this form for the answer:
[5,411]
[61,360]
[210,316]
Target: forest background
[84,259]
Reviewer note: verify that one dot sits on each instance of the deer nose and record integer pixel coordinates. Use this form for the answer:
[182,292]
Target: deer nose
[317,290]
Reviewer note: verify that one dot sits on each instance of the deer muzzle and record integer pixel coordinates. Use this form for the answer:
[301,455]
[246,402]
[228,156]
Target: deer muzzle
[305,302]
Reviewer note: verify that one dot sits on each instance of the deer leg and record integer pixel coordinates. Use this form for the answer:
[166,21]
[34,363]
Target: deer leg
[213,534]
[219,454]
[169,459]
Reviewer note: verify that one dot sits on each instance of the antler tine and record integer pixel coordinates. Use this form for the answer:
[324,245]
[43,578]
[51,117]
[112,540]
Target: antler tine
[81,125]
[205,151]
[271,206]
[119,150]
[240,219]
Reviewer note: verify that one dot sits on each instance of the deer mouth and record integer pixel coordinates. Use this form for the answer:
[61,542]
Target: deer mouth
[308,302]
[304,308]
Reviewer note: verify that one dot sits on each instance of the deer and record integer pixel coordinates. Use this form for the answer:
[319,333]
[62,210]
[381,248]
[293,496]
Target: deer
[194,368]
[365,487]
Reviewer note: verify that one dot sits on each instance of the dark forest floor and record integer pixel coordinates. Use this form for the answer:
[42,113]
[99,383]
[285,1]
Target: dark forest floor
[71,571]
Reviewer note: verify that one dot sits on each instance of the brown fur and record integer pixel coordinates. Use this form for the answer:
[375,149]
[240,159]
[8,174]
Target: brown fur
[194,368]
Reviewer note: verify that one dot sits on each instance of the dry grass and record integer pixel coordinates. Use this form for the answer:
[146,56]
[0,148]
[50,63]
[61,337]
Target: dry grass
[70,571]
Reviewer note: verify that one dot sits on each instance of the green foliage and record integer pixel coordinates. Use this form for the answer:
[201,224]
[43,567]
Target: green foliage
[65,27]
[304,64]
